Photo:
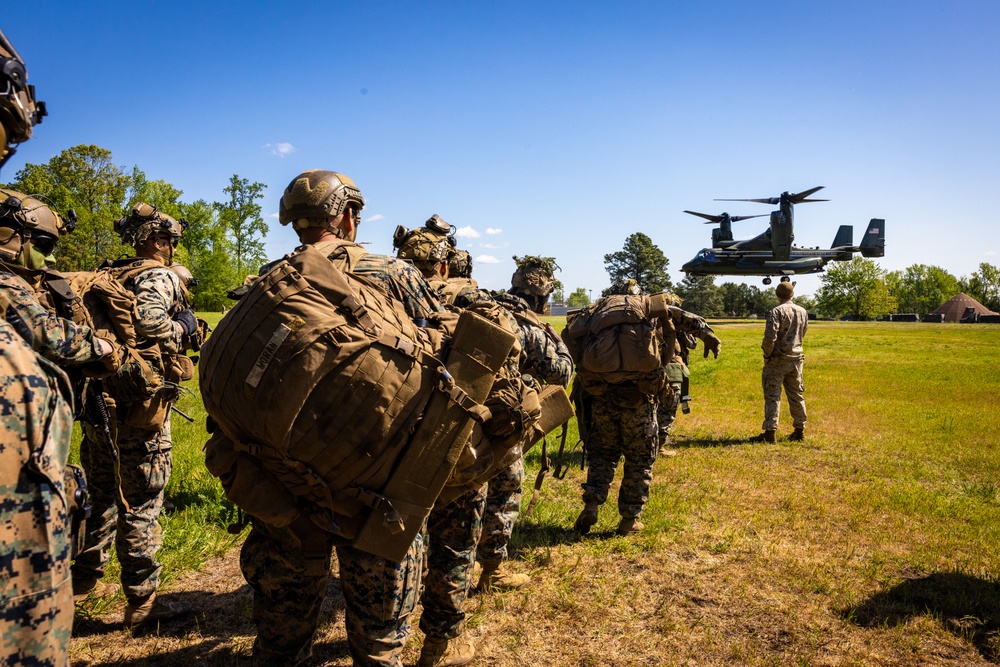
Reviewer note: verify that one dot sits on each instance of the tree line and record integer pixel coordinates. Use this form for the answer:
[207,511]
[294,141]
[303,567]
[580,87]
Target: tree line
[224,241]
[859,288]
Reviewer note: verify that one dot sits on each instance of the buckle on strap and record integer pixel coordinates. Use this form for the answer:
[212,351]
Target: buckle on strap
[461,398]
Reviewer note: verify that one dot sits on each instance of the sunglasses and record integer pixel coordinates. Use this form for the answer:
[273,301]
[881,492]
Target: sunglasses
[43,243]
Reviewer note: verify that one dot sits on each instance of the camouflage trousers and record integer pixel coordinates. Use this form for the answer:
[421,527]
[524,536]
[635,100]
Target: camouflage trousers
[666,413]
[145,463]
[453,533]
[787,373]
[289,577]
[615,432]
[36,426]
[503,505]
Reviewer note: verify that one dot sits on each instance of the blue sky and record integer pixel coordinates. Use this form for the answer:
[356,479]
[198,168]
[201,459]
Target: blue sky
[550,128]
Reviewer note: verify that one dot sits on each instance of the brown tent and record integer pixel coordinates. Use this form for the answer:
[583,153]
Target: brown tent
[954,309]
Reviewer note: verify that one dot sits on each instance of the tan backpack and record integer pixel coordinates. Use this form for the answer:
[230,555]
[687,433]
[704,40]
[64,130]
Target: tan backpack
[328,402]
[615,341]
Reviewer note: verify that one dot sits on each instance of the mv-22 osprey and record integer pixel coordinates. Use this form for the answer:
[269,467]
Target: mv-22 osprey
[772,253]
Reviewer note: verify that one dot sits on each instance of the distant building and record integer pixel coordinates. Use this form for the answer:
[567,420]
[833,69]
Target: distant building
[960,307]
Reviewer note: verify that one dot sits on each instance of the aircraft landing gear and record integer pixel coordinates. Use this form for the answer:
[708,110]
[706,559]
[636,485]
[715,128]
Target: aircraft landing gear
[786,279]
[767,281]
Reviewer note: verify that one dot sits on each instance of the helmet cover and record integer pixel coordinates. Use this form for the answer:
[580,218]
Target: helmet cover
[316,196]
[144,220]
[534,275]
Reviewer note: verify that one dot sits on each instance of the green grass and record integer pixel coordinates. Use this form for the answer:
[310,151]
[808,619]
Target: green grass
[874,541]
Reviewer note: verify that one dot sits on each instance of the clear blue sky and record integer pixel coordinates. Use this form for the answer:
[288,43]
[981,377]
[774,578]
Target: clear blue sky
[560,127]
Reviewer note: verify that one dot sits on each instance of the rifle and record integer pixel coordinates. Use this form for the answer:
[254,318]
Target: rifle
[99,415]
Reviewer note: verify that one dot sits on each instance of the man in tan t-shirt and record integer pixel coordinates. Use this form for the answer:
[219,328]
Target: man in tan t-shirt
[782,345]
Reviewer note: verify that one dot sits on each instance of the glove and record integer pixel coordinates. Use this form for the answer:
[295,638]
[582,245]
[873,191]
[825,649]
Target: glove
[713,345]
[185,318]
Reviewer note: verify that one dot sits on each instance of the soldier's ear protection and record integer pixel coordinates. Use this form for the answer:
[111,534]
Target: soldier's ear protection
[399,236]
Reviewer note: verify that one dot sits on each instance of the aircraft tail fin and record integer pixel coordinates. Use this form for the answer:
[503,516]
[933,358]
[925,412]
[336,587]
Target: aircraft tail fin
[873,244]
[845,236]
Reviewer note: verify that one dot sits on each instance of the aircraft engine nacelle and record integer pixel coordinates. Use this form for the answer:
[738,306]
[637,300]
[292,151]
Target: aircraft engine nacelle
[781,235]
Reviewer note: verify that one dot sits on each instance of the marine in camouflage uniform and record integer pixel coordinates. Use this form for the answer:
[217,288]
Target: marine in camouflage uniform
[622,423]
[782,346]
[546,359]
[288,567]
[36,602]
[143,445]
[36,421]
[453,529]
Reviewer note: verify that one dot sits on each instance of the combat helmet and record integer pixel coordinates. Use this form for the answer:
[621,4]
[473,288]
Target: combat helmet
[427,246]
[460,264]
[144,220]
[534,276]
[317,197]
[184,273]
[27,223]
[19,110]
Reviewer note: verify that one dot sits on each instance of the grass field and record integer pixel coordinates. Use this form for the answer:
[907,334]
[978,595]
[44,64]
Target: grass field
[872,542]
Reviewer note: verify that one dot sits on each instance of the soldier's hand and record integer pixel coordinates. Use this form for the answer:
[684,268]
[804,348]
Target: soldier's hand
[186,318]
[713,345]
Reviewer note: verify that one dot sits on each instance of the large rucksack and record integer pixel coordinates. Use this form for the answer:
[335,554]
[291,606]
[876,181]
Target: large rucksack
[616,341]
[328,402]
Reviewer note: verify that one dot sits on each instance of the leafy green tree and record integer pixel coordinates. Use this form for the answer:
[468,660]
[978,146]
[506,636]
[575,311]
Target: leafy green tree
[736,299]
[82,178]
[984,286]
[761,300]
[921,288]
[559,293]
[701,295]
[578,299]
[209,255]
[641,260]
[857,288]
[241,217]
[807,302]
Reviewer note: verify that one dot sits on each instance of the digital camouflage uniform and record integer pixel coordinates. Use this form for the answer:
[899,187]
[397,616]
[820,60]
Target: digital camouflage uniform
[623,424]
[454,531]
[145,459]
[57,339]
[782,345]
[380,595]
[621,431]
[36,595]
[549,361]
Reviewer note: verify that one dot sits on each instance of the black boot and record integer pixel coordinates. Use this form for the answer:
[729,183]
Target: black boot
[766,436]
[797,434]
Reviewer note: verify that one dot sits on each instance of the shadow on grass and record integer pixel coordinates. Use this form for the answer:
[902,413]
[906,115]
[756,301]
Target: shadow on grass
[218,631]
[528,536]
[968,606]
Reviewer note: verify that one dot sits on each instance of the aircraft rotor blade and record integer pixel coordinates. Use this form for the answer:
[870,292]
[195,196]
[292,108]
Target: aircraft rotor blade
[769,200]
[737,218]
[712,219]
[803,197]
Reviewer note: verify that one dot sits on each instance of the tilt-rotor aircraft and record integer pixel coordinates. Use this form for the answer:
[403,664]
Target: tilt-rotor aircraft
[772,253]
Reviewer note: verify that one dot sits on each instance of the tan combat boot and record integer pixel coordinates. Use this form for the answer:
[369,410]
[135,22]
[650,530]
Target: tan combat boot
[766,436]
[439,652]
[629,525]
[797,434]
[495,575]
[153,609]
[587,518]
[92,588]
